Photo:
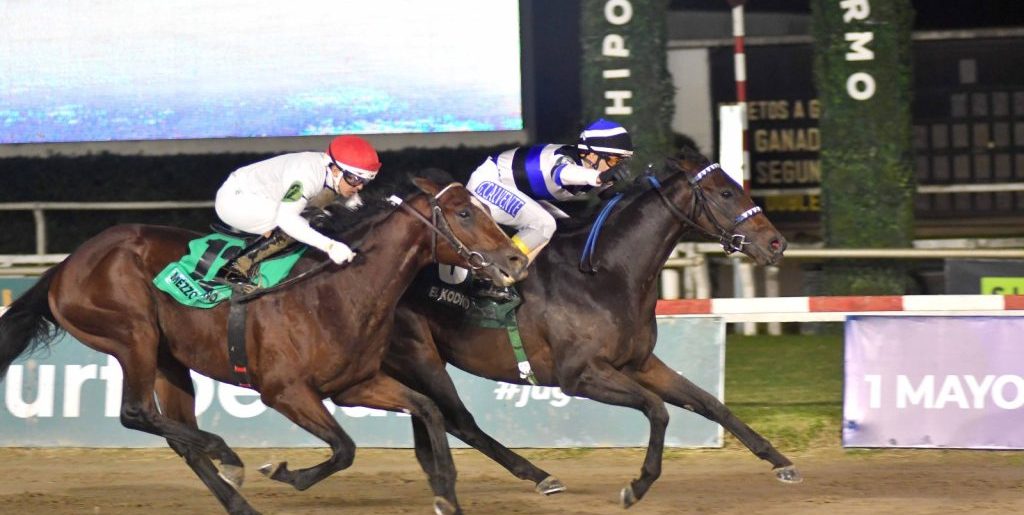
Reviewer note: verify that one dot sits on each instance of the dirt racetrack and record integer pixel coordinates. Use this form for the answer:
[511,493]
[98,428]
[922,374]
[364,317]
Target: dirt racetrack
[156,481]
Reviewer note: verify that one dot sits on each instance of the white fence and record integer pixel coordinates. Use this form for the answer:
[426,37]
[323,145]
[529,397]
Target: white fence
[39,209]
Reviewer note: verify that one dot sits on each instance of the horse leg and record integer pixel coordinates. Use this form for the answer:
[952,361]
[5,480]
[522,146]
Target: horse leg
[473,435]
[302,405]
[461,424]
[414,361]
[603,383]
[176,396]
[384,392]
[679,391]
[138,407]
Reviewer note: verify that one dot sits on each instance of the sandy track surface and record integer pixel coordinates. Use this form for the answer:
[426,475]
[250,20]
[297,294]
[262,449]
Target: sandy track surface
[156,481]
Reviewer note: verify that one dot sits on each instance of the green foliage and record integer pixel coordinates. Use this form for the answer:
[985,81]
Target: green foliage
[866,277]
[788,388]
[866,156]
[652,102]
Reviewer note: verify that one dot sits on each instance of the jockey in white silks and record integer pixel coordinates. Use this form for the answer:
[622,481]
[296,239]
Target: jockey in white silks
[267,198]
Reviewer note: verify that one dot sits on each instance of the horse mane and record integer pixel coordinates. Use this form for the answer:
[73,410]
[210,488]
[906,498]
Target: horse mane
[349,224]
[584,218]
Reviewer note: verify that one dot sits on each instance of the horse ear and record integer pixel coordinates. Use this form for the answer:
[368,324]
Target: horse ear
[426,186]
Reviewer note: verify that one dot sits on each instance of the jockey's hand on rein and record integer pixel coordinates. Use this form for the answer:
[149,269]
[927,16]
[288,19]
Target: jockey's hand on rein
[616,173]
[340,253]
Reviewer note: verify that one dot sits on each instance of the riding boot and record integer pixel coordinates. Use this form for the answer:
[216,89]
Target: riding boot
[243,269]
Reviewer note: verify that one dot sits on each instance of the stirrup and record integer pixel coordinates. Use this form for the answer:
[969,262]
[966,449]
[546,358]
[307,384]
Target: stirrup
[237,281]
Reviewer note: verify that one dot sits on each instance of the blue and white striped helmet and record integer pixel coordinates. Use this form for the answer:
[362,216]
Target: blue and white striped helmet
[606,137]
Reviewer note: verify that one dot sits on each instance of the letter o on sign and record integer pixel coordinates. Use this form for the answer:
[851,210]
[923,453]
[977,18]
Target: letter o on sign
[618,12]
[860,86]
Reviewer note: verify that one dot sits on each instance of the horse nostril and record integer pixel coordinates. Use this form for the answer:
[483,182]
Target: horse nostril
[776,245]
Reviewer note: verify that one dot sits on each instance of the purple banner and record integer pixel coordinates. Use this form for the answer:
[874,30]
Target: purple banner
[934,382]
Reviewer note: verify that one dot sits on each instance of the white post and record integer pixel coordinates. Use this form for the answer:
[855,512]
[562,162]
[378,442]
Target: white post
[731,122]
[743,287]
[700,274]
[771,289]
[670,279]
[40,219]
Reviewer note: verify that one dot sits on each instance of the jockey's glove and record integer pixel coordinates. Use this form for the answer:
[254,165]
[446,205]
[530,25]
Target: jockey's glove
[619,172]
[340,253]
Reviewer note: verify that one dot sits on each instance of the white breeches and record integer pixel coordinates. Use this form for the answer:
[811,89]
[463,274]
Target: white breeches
[245,211]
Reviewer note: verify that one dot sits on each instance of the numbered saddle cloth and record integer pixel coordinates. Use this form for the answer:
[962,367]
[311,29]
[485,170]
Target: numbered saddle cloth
[190,279]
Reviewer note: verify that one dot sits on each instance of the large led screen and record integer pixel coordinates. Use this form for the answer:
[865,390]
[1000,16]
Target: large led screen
[113,70]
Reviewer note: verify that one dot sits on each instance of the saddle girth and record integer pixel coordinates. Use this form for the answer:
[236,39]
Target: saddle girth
[236,344]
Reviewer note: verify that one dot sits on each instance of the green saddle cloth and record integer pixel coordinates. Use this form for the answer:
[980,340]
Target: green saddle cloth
[494,314]
[491,313]
[190,279]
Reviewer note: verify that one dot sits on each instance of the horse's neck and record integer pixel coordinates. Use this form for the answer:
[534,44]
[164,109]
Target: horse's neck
[395,253]
[640,237]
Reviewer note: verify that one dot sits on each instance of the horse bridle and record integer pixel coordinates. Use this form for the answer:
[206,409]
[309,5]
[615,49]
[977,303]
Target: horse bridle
[475,259]
[439,224]
[731,241]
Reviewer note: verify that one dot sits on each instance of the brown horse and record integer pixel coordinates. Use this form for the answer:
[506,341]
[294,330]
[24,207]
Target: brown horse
[322,338]
[593,333]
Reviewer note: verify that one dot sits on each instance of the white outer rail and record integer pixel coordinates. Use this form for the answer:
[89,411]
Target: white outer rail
[38,209]
[837,308]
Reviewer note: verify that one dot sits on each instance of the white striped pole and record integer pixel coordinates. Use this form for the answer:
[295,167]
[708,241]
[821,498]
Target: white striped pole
[742,272]
[740,61]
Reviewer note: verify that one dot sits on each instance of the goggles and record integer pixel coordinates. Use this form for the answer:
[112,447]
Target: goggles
[352,179]
[611,159]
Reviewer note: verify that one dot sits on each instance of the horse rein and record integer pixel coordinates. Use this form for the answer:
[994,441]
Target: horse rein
[439,224]
[730,240]
[475,259]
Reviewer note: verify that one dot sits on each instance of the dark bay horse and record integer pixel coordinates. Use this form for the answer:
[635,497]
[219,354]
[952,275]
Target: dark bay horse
[322,338]
[593,334]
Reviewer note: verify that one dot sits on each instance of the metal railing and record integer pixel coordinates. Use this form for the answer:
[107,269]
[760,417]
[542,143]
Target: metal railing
[39,208]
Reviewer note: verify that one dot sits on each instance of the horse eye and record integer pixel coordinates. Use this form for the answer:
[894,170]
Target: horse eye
[726,193]
[463,214]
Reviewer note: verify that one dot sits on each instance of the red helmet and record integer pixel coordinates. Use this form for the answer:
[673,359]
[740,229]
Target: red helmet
[354,155]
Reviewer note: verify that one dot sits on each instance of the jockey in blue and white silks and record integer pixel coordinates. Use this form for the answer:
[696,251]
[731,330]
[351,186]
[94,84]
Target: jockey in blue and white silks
[518,184]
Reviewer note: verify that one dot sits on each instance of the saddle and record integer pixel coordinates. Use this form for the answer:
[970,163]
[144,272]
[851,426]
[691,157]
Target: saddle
[191,280]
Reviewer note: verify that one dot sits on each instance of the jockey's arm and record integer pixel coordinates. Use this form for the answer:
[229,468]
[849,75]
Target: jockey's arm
[571,174]
[289,219]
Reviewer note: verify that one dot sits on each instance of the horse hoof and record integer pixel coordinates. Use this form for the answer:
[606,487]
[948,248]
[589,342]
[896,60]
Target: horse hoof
[627,498]
[443,507]
[550,485]
[269,469]
[233,474]
[788,474]
[244,509]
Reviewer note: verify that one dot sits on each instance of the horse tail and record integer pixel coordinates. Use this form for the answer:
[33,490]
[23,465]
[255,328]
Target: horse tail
[28,323]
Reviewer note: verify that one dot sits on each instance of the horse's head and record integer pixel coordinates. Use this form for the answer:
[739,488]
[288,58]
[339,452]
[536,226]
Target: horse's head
[724,211]
[468,236]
